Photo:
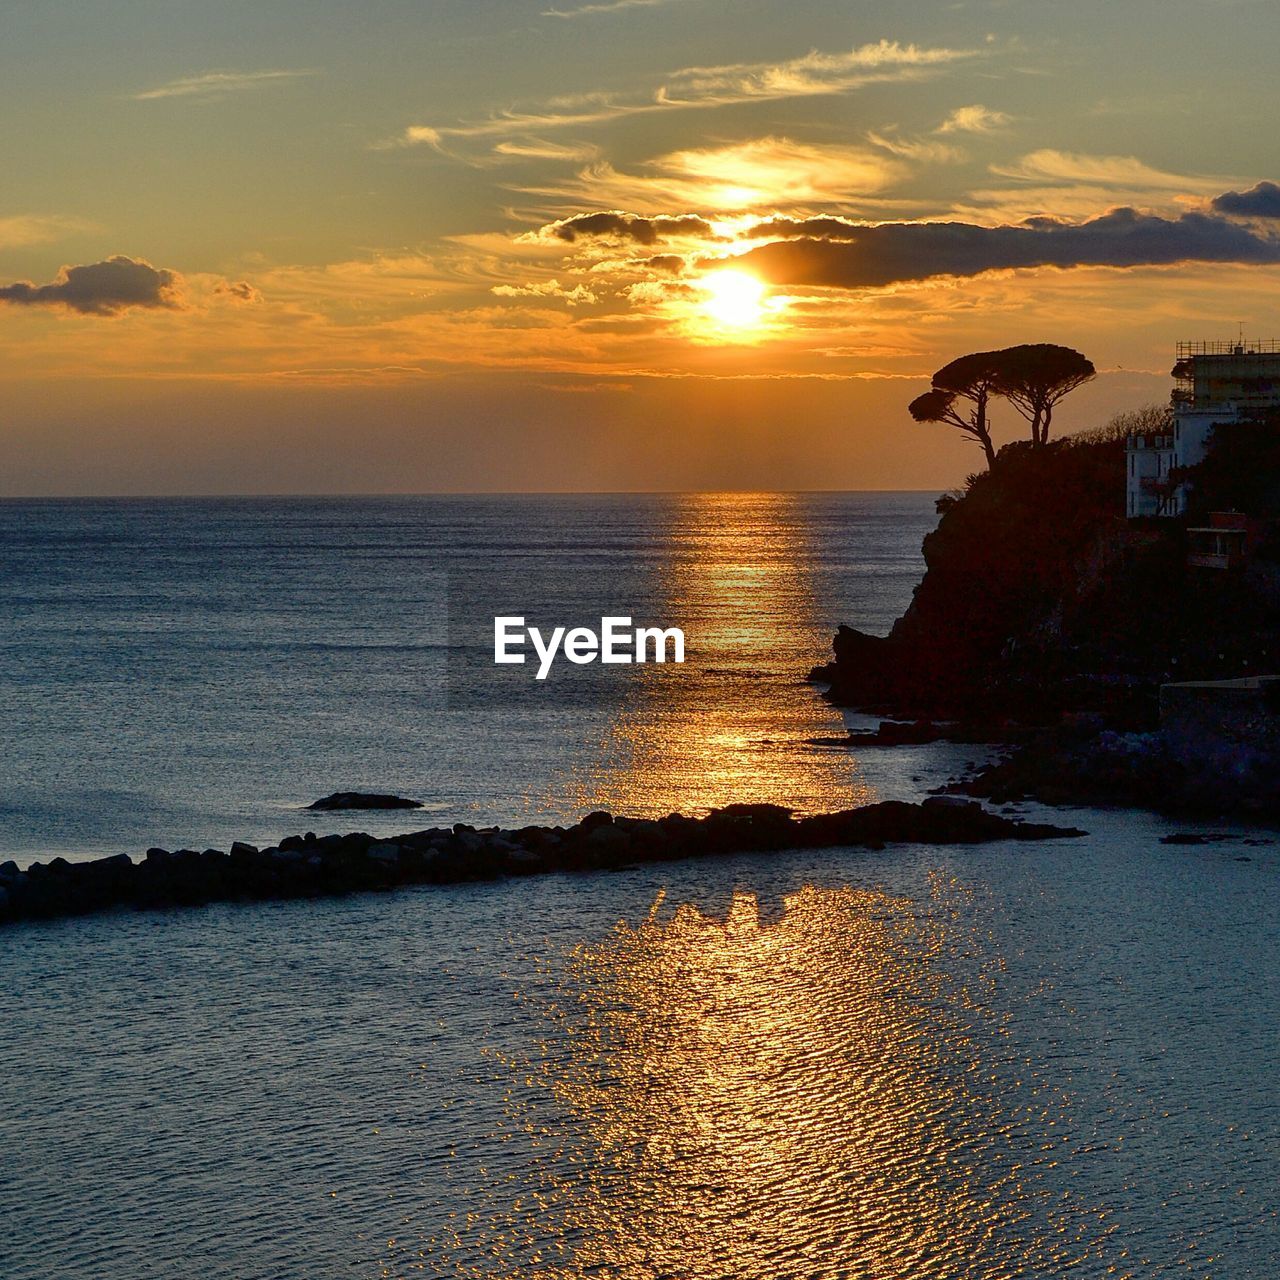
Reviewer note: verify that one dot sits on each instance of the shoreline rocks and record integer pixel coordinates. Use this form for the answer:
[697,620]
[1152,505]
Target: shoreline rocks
[916,733]
[312,866]
[1068,766]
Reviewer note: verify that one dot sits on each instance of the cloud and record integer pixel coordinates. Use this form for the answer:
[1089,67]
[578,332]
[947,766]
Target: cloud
[667,263]
[614,225]
[19,230]
[921,149]
[811,75]
[215,84]
[1080,185]
[1262,201]
[537,149]
[829,252]
[607,6]
[1070,167]
[101,288]
[769,173]
[974,119]
[241,290]
[546,289]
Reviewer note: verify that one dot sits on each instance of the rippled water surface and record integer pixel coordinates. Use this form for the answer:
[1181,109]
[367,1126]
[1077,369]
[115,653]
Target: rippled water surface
[1008,1061]
[188,673]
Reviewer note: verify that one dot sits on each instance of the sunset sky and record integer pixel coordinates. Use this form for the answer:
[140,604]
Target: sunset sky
[414,245]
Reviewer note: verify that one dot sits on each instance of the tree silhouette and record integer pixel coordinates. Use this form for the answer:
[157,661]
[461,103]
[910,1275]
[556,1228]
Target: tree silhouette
[959,397]
[1035,376]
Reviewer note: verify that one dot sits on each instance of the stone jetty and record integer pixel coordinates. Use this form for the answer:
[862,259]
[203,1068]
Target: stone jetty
[311,866]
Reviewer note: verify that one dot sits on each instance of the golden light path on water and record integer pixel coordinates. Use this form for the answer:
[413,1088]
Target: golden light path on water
[731,725]
[804,1088]
[807,1095]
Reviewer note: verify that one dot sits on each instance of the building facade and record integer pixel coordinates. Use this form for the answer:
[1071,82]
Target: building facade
[1215,383]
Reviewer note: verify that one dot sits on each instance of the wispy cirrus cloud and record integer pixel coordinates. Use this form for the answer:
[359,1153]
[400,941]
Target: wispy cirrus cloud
[1126,172]
[538,149]
[814,74]
[760,173]
[927,150]
[605,6]
[216,84]
[1076,184]
[975,119]
[22,229]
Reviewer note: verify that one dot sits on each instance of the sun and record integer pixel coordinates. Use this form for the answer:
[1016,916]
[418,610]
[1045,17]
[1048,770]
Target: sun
[735,299]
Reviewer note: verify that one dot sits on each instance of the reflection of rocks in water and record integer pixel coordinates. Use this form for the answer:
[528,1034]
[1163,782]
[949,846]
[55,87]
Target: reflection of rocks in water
[804,1092]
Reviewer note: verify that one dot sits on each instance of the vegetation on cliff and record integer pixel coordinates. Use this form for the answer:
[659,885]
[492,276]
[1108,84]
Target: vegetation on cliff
[1033,378]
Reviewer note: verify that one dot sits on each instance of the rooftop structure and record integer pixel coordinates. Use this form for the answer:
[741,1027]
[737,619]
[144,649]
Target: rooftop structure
[1215,383]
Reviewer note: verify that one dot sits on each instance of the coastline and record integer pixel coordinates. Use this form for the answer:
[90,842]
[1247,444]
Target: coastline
[1115,668]
[310,866]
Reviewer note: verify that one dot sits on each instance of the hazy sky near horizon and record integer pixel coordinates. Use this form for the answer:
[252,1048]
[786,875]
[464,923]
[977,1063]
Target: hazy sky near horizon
[482,244]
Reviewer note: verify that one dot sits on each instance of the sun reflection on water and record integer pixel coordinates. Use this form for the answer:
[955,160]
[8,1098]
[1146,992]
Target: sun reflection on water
[734,723]
[791,1090]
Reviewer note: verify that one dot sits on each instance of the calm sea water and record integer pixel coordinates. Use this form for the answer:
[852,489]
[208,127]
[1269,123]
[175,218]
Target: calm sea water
[998,1062]
[189,673]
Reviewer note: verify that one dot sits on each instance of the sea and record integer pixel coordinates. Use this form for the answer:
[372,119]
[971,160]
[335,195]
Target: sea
[1003,1061]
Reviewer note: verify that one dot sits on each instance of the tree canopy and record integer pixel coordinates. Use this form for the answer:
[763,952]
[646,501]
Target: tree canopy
[1033,378]
[969,380]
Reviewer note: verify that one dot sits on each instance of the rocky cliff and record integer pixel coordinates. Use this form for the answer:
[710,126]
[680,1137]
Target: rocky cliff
[1041,601]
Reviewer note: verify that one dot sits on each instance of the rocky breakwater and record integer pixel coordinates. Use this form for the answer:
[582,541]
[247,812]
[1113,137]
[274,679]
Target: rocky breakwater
[311,866]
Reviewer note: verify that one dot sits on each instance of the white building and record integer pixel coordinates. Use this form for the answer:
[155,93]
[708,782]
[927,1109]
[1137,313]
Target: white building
[1148,459]
[1217,382]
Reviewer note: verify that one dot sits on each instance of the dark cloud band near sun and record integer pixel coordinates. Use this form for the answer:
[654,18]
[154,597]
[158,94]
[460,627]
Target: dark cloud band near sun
[1262,201]
[613,225]
[833,252]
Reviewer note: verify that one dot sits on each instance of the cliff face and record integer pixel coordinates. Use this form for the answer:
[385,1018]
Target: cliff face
[1040,599]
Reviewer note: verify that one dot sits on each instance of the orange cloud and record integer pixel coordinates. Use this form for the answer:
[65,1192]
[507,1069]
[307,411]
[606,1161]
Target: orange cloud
[761,173]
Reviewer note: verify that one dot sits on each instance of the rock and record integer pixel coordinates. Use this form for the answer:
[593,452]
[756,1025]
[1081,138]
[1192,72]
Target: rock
[522,862]
[303,866]
[363,800]
[753,812]
[9,870]
[606,836]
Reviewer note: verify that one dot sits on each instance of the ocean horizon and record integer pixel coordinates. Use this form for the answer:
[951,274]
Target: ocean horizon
[960,1062]
[186,672]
